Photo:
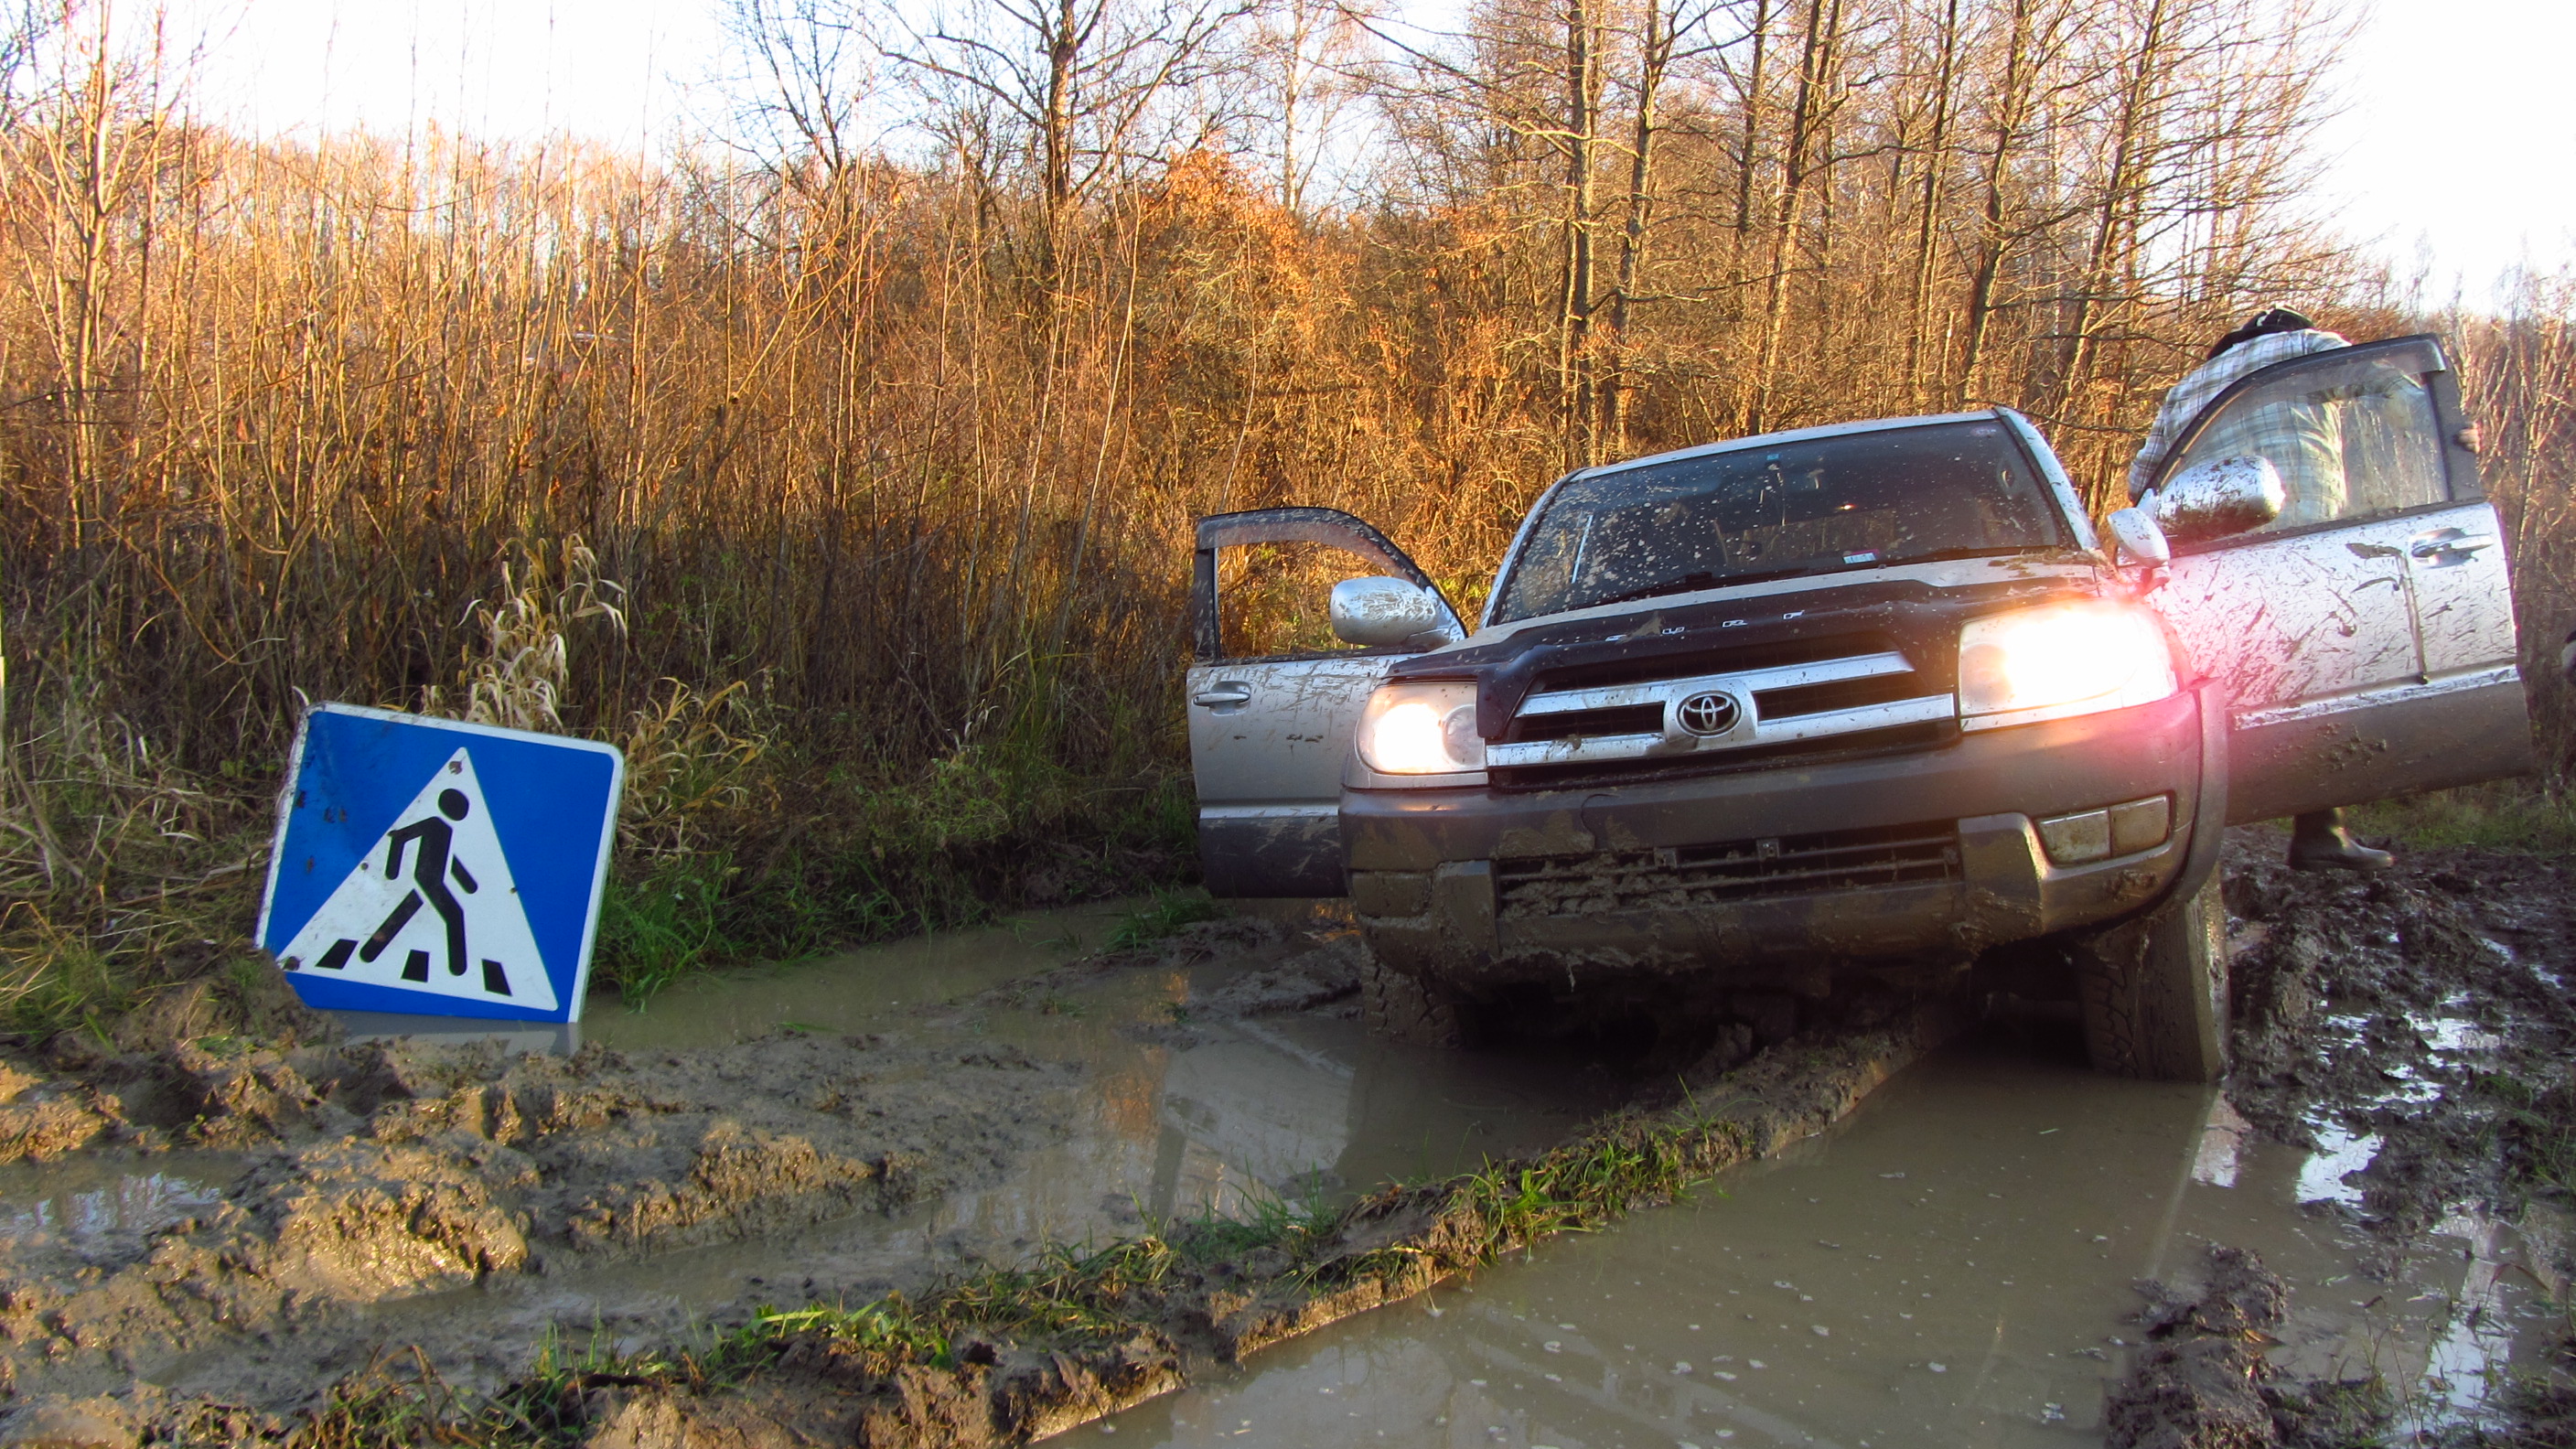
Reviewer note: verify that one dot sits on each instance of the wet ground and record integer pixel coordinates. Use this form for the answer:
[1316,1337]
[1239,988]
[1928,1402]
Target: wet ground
[1954,1265]
[1958,1262]
[1071,1099]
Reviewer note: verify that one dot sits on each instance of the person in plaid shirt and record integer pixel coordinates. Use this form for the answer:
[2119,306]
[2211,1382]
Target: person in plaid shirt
[2301,440]
[2296,438]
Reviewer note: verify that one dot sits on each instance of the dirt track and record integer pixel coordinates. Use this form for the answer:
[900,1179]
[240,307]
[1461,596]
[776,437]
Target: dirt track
[2416,1028]
[282,1213]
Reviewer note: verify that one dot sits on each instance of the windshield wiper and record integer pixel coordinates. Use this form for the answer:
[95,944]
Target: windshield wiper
[1703,579]
[1699,579]
[1940,555]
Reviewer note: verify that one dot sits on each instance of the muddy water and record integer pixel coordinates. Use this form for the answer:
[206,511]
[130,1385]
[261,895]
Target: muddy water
[1952,1266]
[856,990]
[1176,1116]
[92,1207]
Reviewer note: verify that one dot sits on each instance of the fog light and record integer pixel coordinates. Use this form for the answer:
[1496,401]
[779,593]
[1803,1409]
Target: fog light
[2077,839]
[2123,829]
[2141,824]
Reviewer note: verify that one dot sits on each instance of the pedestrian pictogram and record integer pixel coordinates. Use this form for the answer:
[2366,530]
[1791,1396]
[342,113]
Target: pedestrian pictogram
[430,866]
[415,913]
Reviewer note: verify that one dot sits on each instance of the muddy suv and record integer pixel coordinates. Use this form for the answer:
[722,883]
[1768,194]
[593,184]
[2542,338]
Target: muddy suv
[1744,721]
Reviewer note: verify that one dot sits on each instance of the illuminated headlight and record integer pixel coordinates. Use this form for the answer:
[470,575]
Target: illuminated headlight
[1427,728]
[2060,660]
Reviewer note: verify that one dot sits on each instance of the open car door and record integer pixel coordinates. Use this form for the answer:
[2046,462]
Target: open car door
[1275,695]
[2365,635]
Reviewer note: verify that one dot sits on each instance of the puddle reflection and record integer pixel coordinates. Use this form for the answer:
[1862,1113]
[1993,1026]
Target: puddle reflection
[1175,1118]
[1953,1266]
[90,1205]
[858,990]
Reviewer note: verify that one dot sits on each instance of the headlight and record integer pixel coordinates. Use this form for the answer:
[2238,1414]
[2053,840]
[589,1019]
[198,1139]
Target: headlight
[1422,729]
[2060,660]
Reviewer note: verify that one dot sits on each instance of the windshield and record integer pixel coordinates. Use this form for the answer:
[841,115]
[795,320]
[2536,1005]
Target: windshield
[1860,500]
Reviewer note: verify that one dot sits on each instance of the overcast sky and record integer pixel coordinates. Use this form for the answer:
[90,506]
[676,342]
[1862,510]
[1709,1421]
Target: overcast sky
[2452,155]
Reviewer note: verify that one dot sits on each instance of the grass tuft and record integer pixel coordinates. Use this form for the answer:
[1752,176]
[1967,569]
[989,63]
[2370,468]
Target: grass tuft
[1168,913]
[2514,815]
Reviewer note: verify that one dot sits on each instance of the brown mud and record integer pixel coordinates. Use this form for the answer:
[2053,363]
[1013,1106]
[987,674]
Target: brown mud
[259,1221]
[212,1238]
[250,1223]
[2416,1032]
[1116,1336]
[368,1173]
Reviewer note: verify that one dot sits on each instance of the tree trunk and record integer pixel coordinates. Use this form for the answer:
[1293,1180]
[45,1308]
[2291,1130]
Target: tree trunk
[1927,231]
[2115,217]
[1815,64]
[1750,141]
[2011,112]
[1654,54]
[1575,401]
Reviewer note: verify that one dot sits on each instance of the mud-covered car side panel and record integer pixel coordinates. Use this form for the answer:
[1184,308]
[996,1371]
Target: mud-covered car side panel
[2309,757]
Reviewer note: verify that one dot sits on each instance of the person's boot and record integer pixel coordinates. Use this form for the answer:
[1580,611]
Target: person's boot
[2318,841]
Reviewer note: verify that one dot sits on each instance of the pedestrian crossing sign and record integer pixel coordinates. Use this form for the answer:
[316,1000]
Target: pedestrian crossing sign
[433,866]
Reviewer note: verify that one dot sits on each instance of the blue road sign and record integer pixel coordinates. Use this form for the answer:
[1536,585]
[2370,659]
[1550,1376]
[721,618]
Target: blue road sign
[426,865]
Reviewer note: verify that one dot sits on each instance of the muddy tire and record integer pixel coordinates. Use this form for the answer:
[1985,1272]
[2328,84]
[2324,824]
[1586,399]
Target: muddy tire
[2154,991]
[1398,1006]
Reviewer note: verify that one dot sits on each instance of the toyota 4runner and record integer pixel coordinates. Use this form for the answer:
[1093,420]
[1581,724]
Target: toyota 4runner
[1744,720]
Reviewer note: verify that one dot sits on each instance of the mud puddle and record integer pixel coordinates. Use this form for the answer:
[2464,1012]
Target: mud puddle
[861,990]
[1037,1096]
[96,1207]
[1954,1265]
[844,991]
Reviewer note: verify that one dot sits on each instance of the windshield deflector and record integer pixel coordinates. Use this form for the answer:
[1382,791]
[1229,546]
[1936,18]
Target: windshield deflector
[1770,511]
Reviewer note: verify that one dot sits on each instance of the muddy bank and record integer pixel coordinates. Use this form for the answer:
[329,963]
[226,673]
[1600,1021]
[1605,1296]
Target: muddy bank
[2415,1032]
[363,1174]
[1018,1355]
[261,1222]
[200,1206]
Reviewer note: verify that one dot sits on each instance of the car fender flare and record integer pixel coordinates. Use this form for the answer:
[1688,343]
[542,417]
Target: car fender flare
[2209,812]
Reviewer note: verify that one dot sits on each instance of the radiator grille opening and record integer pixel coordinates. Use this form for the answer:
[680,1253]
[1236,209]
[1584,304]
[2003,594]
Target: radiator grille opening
[1830,749]
[1714,661]
[1575,724]
[1841,694]
[1676,877]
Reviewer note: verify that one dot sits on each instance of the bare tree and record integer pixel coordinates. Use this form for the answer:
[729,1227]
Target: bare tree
[1085,88]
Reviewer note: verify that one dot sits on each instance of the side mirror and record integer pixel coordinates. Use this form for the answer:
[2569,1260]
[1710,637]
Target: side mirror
[2217,498]
[2134,530]
[1375,611]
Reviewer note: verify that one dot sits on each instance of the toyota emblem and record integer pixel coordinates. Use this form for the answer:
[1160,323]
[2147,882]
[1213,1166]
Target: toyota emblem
[1709,712]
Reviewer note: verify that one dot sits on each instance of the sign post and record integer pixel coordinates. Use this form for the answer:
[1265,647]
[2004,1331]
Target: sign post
[431,866]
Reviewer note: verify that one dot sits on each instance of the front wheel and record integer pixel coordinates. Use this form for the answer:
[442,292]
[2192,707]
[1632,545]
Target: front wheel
[1408,1010]
[2154,991]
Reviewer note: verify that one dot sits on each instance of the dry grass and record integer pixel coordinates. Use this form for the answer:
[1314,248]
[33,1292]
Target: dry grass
[861,517]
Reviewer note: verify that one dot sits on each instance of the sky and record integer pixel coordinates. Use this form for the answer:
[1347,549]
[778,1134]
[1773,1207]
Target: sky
[2456,147]
[2450,156]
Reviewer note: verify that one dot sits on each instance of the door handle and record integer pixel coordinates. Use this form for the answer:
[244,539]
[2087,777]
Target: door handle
[2457,543]
[1223,694]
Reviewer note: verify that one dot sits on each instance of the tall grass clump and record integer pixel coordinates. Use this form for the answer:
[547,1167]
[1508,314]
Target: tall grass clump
[850,486]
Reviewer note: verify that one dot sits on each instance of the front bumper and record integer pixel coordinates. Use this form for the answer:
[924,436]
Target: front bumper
[1747,877]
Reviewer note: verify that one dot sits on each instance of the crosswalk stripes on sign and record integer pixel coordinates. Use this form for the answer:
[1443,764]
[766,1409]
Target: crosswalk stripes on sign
[436,866]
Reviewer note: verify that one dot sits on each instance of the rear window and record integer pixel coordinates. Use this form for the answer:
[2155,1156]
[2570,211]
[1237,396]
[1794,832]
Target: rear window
[1860,500]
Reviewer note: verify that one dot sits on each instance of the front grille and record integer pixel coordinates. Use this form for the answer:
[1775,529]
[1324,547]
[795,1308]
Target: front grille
[1804,697]
[1598,774]
[1705,875]
[1577,724]
[1736,659]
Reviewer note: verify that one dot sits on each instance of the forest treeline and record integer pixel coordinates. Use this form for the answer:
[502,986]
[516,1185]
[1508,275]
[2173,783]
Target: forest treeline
[840,463]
